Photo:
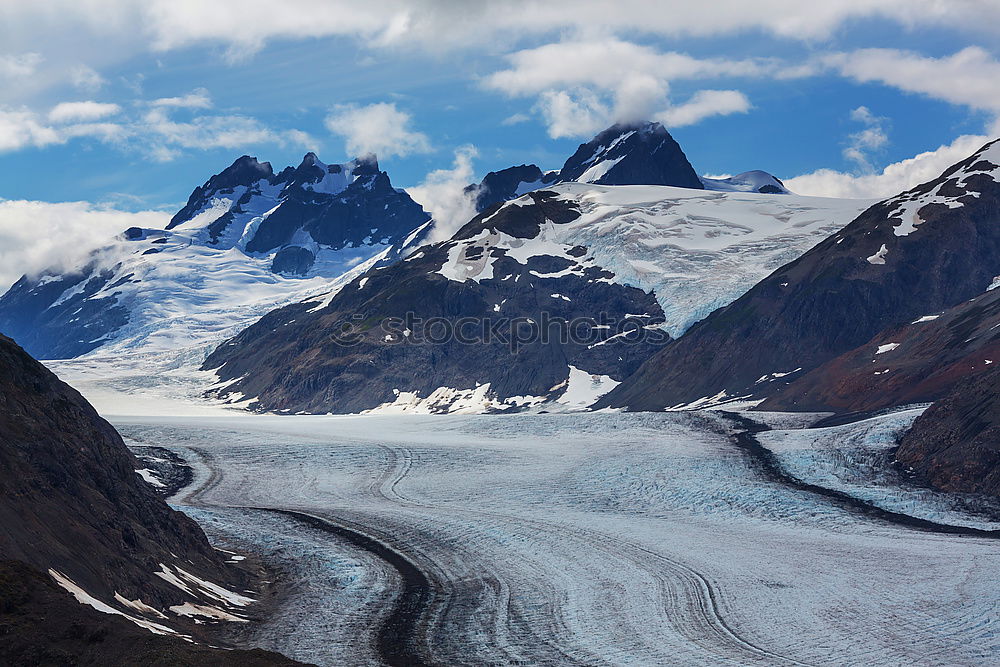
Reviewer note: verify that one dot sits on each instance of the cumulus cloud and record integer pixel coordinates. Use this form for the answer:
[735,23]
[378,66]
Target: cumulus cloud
[37,235]
[703,104]
[153,131]
[86,78]
[895,178]
[970,77]
[19,66]
[607,64]
[443,195]
[871,139]
[584,85]
[378,128]
[82,111]
[572,113]
[196,99]
[20,128]
[166,135]
[445,24]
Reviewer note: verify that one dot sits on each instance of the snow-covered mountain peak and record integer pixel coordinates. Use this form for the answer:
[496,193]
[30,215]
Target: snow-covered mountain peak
[631,154]
[314,175]
[509,183]
[964,180]
[247,240]
[604,260]
[641,153]
[246,172]
[335,205]
[749,181]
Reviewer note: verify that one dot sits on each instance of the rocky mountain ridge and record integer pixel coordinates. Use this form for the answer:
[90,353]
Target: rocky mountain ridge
[82,530]
[651,257]
[920,252]
[247,241]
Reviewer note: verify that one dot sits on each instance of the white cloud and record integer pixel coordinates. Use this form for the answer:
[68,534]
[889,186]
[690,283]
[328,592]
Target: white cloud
[161,153]
[515,119]
[585,85]
[895,178]
[970,77]
[871,139]
[378,128]
[572,114]
[443,195]
[703,104]
[301,139]
[196,99]
[608,64]
[82,111]
[86,78]
[19,66]
[37,235]
[20,128]
[153,132]
[111,133]
[445,24]
[166,135]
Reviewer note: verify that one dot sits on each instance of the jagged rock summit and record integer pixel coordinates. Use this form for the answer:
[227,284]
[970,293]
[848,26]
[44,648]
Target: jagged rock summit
[309,206]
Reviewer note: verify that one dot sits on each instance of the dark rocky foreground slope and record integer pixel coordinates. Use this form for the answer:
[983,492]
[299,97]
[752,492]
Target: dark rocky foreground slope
[41,624]
[955,444]
[918,362]
[950,358]
[398,331]
[73,510]
[920,252]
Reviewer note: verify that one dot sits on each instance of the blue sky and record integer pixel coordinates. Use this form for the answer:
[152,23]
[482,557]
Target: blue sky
[131,105]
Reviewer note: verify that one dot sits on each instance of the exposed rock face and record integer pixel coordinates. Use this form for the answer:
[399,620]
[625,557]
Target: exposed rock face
[294,260]
[916,363]
[337,206]
[955,444]
[624,154]
[921,252]
[64,315]
[245,172]
[41,624]
[631,154]
[71,503]
[311,221]
[510,183]
[296,358]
